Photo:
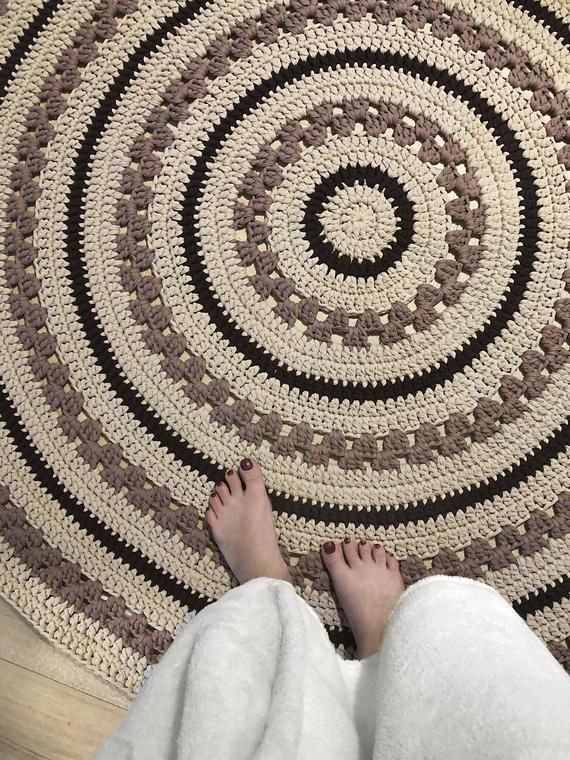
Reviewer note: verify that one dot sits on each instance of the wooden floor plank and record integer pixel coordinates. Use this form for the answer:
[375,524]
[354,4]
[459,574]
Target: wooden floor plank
[22,645]
[46,719]
[9,751]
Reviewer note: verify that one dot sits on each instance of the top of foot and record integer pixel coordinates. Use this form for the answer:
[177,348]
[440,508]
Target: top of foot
[240,517]
[368,584]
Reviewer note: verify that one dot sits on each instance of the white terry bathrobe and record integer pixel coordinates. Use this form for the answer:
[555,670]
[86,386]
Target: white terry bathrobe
[254,676]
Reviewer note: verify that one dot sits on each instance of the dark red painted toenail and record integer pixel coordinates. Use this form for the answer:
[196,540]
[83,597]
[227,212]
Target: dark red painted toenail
[347,540]
[377,546]
[230,472]
[219,484]
[207,508]
[329,547]
[363,541]
[212,493]
[246,464]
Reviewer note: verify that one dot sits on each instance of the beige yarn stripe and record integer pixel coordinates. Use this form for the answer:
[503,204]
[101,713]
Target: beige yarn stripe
[14,22]
[202,325]
[520,27]
[81,636]
[287,212]
[102,501]
[551,623]
[199,325]
[560,7]
[537,570]
[216,213]
[484,519]
[79,546]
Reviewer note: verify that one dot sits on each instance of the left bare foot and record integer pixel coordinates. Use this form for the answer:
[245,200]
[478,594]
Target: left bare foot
[241,521]
[368,584]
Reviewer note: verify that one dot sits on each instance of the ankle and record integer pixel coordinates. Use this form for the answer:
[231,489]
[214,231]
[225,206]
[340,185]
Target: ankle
[368,648]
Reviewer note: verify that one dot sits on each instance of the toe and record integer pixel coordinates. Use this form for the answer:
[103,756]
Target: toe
[234,482]
[222,491]
[214,505]
[379,554]
[364,549]
[332,555]
[350,549]
[250,473]
[392,562]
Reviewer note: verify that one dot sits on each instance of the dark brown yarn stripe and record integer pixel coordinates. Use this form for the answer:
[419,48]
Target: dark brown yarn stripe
[150,643]
[25,42]
[310,383]
[524,606]
[195,460]
[139,407]
[422,510]
[546,16]
[324,251]
[470,495]
[545,597]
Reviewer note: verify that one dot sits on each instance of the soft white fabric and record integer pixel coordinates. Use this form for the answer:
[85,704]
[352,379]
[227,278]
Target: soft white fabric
[254,677]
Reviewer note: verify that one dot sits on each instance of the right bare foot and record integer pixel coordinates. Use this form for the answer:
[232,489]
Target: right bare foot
[241,520]
[368,584]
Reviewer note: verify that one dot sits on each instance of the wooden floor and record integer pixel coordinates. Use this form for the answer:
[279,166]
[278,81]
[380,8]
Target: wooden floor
[51,708]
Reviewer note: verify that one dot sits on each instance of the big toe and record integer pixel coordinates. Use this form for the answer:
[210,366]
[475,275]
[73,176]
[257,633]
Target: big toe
[332,555]
[251,473]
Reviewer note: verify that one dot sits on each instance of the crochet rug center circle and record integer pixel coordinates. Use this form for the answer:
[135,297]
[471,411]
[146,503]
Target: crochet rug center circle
[329,234]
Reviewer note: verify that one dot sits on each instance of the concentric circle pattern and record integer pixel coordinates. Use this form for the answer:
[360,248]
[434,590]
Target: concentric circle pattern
[329,234]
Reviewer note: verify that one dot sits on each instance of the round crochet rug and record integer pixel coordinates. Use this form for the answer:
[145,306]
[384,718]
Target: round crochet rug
[329,234]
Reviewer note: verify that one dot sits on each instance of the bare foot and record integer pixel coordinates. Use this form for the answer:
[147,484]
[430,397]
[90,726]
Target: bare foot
[241,522]
[368,584]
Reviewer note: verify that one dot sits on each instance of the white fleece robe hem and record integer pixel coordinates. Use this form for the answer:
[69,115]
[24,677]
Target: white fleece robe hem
[459,676]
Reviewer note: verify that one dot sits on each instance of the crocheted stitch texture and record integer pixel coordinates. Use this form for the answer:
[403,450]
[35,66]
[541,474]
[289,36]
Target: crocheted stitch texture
[329,234]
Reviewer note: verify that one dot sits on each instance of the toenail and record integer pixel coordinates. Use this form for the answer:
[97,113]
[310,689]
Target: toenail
[363,541]
[219,484]
[329,547]
[347,540]
[212,493]
[207,508]
[246,464]
[377,546]
[230,472]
